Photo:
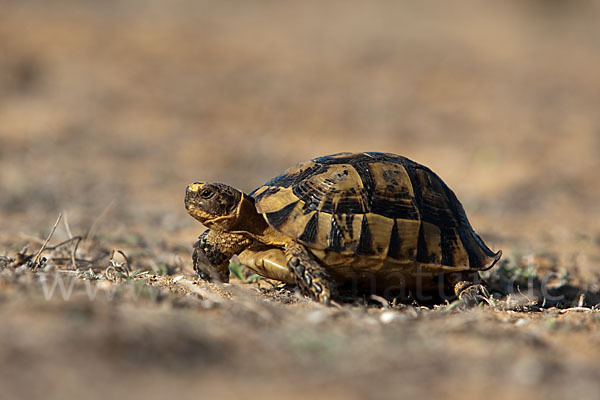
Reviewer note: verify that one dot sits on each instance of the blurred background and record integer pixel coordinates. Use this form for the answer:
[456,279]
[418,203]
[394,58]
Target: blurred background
[127,101]
[110,108]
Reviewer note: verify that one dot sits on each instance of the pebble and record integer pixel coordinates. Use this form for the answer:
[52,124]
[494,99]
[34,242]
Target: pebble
[521,322]
[390,316]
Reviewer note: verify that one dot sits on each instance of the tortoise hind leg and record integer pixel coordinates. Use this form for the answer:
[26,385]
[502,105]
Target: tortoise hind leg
[311,277]
[469,287]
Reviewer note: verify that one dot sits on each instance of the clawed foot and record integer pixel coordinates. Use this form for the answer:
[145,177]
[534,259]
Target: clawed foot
[312,282]
[310,276]
[474,295]
[205,270]
[210,274]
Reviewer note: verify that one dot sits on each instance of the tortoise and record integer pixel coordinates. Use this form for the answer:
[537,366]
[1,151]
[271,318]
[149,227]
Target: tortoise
[373,221]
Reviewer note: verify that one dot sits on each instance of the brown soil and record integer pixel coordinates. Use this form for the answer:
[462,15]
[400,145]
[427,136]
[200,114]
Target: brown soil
[109,109]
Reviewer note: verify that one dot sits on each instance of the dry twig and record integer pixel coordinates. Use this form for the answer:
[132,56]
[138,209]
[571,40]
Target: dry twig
[36,259]
[74,249]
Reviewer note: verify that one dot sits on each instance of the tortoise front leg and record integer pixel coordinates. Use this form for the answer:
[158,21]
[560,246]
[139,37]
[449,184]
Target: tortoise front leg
[212,253]
[268,262]
[310,276]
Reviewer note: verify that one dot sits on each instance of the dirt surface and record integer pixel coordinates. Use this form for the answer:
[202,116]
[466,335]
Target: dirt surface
[109,109]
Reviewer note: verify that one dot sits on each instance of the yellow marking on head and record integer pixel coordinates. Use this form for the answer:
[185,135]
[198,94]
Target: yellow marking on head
[194,187]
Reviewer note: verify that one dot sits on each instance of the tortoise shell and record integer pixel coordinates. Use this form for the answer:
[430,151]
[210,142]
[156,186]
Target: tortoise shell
[373,206]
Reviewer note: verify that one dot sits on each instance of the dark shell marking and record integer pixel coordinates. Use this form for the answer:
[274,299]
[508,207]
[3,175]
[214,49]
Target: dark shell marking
[374,205]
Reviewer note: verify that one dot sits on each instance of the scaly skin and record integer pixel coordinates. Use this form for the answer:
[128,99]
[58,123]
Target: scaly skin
[233,226]
[468,287]
[212,253]
[310,276]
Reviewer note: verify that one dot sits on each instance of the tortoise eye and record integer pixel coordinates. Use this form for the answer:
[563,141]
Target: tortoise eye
[207,193]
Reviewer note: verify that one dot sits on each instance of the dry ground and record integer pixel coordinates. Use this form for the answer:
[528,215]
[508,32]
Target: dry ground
[108,109]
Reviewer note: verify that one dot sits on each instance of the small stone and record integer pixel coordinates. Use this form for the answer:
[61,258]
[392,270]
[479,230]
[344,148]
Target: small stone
[390,316]
[521,322]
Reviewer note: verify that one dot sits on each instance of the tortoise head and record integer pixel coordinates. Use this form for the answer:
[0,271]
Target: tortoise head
[215,205]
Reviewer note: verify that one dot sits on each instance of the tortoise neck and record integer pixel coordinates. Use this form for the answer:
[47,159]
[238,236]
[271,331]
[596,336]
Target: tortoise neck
[248,219]
[248,222]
